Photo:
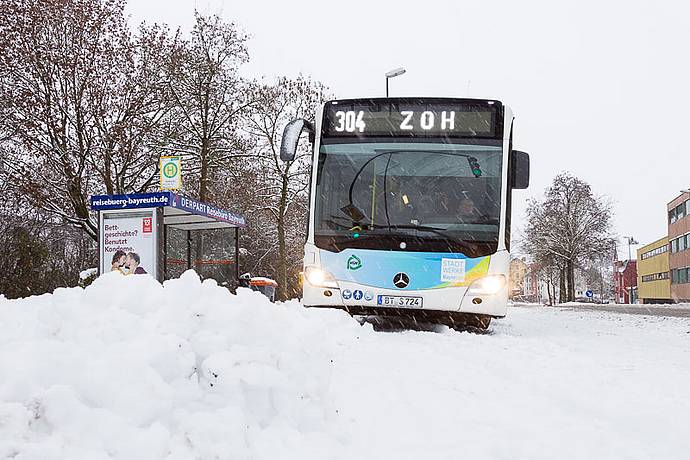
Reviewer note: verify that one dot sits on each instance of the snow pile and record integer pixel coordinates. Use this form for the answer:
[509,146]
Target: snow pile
[130,369]
[88,273]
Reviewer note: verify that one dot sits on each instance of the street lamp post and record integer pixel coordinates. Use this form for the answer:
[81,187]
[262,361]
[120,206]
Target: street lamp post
[391,74]
[631,241]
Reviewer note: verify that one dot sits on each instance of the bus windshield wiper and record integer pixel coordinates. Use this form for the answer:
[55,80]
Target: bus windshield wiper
[425,228]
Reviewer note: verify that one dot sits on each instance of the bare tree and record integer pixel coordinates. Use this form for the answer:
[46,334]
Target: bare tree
[80,97]
[570,227]
[41,256]
[133,112]
[597,274]
[209,96]
[281,193]
[88,107]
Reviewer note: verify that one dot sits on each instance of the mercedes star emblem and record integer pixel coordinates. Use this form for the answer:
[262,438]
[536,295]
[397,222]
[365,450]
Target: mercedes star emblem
[401,280]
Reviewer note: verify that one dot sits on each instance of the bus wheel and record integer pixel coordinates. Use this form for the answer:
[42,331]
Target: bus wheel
[470,321]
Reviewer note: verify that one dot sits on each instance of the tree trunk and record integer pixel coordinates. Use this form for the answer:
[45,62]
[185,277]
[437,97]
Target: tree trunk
[282,247]
[561,286]
[549,289]
[548,293]
[203,175]
[571,280]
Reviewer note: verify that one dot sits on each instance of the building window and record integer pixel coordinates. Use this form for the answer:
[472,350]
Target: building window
[679,212]
[680,244]
[680,275]
[655,277]
[655,252]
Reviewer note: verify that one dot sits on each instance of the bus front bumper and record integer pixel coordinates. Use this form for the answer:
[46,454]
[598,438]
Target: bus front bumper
[367,300]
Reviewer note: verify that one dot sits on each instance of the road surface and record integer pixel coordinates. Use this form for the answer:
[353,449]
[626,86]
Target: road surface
[675,311]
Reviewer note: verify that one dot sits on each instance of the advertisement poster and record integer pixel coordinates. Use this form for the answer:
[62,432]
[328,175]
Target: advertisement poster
[133,234]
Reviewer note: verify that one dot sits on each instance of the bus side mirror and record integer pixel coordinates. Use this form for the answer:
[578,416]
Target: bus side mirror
[519,178]
[290,139]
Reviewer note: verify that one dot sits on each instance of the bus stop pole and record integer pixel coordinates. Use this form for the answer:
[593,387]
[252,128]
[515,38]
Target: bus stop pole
[161,248]
[237,255]
[189,249]
[101,264]
[165,250]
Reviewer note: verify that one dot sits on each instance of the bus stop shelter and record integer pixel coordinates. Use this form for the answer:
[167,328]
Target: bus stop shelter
[170,233]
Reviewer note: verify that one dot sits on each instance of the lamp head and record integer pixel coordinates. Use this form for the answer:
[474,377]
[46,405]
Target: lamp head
[395,72]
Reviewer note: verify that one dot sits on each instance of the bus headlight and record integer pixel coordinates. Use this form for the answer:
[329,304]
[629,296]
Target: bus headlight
[487,285]
[320,278]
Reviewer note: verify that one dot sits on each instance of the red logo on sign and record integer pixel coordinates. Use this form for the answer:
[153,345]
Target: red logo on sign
[148,225]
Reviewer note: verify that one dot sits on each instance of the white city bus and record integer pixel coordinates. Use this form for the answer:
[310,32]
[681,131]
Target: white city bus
[410,207]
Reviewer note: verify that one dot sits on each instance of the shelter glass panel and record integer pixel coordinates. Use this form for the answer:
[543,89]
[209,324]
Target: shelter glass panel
[213,254]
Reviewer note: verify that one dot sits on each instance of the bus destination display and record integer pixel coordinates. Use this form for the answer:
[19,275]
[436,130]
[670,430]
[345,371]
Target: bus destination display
[407,118]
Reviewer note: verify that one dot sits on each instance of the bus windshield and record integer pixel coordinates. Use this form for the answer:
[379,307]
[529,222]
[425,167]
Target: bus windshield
[411,196]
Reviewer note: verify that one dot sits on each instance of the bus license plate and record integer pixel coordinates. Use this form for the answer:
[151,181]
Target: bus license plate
[399,301]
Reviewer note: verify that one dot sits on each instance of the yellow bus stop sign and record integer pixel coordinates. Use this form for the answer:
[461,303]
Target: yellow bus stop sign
[171,173]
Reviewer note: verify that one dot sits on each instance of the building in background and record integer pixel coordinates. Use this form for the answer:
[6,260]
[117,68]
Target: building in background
[679,246]
[625,280]
[540,287]
[532,283]
[653,279]
[518,270]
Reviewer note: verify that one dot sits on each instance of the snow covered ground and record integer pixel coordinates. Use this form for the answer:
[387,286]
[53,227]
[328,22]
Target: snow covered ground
[129,369]
[624,305]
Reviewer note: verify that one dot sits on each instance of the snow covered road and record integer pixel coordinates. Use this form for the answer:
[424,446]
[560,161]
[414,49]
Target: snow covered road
[679,311]
[128,369]
[547,384]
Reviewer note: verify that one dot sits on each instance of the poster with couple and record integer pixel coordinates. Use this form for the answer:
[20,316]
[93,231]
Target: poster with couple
[128,243]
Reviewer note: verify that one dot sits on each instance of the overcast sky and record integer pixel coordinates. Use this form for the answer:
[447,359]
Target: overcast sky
[599,88]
